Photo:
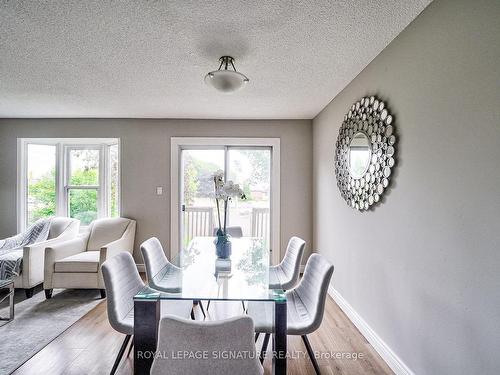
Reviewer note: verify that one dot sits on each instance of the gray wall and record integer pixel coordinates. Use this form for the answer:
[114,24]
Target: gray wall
[423,268]
[145,164]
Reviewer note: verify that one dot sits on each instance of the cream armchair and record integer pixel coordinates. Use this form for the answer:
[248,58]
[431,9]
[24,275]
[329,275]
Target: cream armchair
[76,264]
[61,229]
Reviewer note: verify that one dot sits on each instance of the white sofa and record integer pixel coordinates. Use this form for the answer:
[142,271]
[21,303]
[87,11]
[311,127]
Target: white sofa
[76,264]
[61,229]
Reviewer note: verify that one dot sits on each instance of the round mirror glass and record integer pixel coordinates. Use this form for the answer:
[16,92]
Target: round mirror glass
[359,155]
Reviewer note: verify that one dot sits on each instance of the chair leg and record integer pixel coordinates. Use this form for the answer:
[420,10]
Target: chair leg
[192,314]
[257,336]
[29,292]
[311,354]
[264,347]
[202,310]
[208,304]
[244,308]
[103,293]
[48,293]
[120,354]
[130,347]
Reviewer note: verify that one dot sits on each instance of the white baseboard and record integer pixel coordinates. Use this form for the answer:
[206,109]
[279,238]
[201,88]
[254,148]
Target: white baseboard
[392,360]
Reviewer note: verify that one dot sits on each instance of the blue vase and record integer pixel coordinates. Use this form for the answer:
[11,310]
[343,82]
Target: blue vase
[222,247]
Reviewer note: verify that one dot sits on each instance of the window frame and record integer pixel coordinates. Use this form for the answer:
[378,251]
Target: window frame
[102,185]
[63,148]
[177,144]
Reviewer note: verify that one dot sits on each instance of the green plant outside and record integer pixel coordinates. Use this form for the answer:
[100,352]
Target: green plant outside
[83,202]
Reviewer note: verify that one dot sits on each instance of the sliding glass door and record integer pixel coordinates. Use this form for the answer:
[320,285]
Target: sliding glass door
[248,166]
[197,205]
[251,168]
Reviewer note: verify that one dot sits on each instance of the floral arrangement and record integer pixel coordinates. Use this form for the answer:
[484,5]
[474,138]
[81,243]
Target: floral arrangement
[225,192]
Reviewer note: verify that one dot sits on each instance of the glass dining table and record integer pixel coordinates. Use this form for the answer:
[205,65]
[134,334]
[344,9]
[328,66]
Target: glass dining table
[197,274]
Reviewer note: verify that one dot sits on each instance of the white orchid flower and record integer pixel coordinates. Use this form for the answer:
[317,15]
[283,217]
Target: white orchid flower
[218,173]
[225,192]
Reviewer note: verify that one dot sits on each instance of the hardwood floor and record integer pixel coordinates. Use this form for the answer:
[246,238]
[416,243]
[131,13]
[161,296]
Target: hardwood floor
[90,346]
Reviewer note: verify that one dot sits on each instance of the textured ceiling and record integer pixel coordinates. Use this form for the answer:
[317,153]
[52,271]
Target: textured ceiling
[148,58]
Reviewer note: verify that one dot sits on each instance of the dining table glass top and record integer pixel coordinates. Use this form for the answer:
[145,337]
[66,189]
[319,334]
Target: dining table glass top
[197,274]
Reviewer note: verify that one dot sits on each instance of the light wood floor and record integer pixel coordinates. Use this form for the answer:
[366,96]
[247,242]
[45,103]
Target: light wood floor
[90,346]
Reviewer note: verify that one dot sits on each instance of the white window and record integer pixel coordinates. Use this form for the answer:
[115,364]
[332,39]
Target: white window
[78,178]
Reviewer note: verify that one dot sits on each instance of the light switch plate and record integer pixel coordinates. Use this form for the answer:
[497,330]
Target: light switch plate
[159,190]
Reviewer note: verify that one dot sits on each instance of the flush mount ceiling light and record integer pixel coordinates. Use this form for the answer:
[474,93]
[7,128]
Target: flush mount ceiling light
[225,79]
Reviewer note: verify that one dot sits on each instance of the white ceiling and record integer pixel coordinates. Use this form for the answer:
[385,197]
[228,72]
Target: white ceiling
[139,59]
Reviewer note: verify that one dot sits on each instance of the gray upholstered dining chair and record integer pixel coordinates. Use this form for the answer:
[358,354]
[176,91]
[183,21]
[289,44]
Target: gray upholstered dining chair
[286,274]
[122,282]
[216,338]
[155,262]
[235,232]
[305,306]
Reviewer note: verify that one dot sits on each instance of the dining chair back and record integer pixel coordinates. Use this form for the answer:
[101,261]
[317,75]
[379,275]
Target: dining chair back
[305,306]
[155,261]
[286,274]
[235,232]
[154,257]
[226,353]
[122,282]
[313,289]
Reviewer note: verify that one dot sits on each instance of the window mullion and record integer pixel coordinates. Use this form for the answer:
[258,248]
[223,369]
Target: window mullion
[60,185]
[226,174]
[101,196]
[25,186]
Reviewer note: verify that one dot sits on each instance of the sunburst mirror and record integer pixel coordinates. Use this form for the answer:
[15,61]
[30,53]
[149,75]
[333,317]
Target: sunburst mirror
[365,153]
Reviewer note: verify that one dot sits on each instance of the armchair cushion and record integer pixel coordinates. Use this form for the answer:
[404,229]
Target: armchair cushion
[104,231]
[88,261]
[65,249]
[60,251]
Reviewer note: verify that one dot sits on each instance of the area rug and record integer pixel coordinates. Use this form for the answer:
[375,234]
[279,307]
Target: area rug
[39,321]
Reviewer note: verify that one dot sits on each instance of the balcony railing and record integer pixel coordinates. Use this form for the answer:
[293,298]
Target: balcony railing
[200,222]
